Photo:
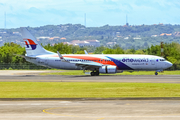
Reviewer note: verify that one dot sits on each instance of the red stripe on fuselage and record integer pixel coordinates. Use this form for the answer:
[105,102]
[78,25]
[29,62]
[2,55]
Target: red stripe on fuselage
[94,59]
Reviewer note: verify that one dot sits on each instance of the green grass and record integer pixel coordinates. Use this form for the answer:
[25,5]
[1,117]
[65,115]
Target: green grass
[86,90]
[80,72]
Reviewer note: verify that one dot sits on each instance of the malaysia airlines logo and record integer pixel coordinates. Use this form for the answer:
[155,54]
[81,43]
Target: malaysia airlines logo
[30,44]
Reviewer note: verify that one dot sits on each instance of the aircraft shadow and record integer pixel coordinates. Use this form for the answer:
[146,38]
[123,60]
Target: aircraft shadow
[90,76]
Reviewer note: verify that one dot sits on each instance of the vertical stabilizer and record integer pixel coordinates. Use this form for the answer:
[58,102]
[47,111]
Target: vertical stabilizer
[31,44]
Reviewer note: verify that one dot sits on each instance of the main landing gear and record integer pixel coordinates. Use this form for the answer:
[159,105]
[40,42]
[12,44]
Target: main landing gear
[95,73]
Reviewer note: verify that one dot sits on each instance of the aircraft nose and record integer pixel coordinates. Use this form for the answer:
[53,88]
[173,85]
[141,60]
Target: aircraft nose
[168,64]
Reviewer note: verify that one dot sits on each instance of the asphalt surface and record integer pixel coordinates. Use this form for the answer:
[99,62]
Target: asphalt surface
[88,78]
[33,76]
[91,110]
[87,109]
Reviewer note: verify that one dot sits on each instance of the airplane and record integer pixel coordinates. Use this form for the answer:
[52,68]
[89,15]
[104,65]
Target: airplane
[96,63]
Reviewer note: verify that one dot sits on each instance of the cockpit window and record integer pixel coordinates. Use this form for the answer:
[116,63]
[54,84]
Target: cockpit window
[162,59]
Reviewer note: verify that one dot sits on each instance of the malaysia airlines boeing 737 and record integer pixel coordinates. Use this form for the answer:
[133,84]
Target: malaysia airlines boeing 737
[97,63]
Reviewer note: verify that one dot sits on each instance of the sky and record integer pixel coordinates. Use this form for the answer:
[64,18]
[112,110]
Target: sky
[35,13]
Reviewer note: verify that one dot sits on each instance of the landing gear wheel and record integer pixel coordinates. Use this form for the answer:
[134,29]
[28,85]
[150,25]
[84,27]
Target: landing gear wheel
[92,73]
[97,73]
[156,73]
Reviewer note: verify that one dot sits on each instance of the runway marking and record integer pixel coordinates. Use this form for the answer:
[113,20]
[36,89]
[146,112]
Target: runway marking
[10,104]
[45,111]
[36,104]
[65,102]
[100,118]
[103,117]
[147,110]
[18,104]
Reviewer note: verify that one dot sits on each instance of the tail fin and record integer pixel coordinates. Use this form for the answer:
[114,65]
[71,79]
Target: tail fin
[31,44]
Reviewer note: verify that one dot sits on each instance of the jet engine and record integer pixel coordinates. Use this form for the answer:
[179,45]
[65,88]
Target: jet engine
[108,69]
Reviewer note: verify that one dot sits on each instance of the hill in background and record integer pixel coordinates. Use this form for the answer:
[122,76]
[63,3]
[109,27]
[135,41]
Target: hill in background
[127,36]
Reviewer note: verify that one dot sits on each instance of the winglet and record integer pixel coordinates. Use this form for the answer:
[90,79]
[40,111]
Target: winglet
[61,57]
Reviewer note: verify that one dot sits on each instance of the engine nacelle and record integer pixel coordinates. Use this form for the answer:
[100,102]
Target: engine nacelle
[108,69]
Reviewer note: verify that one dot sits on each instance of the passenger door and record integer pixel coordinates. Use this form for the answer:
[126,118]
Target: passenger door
[153,63]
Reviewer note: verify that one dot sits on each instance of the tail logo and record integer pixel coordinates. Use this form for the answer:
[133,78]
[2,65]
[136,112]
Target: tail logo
[29,42]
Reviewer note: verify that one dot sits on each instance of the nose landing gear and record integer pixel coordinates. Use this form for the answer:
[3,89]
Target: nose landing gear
[156,73]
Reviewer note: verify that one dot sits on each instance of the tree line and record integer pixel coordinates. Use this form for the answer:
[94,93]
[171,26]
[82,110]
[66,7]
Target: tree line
[9,52]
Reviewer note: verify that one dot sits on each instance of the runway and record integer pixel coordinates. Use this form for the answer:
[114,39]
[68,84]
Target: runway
[90,110]
[87,109]
[88,78]
[33,76]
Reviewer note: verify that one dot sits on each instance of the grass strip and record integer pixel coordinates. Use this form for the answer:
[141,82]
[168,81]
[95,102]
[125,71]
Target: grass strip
[80,72]
[86,90]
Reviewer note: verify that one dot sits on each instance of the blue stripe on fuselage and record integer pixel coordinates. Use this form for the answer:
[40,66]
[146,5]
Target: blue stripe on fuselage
[120,65]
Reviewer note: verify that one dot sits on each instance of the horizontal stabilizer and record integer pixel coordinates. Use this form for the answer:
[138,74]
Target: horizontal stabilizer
[25,56]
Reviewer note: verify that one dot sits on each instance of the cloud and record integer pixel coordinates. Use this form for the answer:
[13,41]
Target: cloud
[35,10]
[1,4]
[62,13]
[98,12]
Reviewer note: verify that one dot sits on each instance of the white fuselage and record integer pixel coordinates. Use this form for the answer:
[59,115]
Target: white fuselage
[121,61]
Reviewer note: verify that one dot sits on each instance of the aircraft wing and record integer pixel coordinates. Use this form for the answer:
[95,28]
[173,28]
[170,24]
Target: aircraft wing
[81,64]
[88,64]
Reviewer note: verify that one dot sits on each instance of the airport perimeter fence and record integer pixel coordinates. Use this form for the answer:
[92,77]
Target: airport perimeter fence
[21,66]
